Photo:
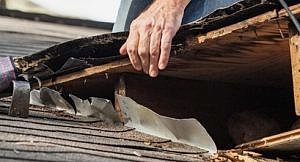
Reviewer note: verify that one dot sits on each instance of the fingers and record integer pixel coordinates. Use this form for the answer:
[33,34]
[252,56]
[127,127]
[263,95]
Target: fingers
[143,50]
[149,52]
[149,46]
[154,51]
[132,46]
[165,48]
[123,49]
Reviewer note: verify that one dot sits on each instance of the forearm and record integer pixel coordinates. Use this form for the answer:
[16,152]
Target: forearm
[181,4]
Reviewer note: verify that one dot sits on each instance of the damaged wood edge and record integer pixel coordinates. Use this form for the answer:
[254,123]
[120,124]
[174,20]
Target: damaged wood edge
[271,141]
[120,89]
[124,65]
[295,9]
[119,66]
[23,64]
[240,156]
[246,24]
[295,63]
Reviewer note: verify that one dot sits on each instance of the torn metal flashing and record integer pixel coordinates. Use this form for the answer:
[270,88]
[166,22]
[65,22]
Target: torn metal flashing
[49,132]
[135,116]
[96,107]
[187,131]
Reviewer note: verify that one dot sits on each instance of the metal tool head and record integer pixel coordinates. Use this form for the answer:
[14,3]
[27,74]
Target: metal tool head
[20,99]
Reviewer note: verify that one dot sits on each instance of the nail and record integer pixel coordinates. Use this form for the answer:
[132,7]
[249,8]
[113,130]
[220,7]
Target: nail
[162,66]
[153,73]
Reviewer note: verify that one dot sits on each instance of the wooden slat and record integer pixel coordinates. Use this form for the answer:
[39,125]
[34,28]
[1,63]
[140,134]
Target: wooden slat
[287,142]
[295,61]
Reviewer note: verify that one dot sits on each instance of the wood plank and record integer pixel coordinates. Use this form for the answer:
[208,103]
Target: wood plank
[295,62]
[123,65]
[287,142]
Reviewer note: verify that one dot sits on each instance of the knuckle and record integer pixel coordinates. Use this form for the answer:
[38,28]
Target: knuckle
[154,52]
[157,28]
[142,53]
[131,50]
[165,47]
[147,25]
[134,62]
[133,25]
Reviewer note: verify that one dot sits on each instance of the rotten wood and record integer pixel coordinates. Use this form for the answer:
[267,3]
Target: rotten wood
[295,62]
[120,89]
[240,156]
[113,67]
[253,52]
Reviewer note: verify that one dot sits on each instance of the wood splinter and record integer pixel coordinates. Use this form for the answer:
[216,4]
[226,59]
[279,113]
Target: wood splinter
[120,89]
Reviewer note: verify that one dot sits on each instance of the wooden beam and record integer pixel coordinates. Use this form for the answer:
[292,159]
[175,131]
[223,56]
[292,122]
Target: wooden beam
[295,62]
[120,66]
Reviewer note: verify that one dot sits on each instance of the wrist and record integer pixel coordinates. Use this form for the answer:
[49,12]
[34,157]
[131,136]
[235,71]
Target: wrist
[178,4]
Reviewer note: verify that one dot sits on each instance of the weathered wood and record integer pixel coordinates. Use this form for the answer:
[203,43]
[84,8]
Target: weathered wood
[295,62]
[254,52]
[114,67]
[120,89]
[241,156]
[287,142]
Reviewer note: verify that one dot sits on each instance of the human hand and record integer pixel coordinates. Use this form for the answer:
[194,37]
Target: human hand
[149,42]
